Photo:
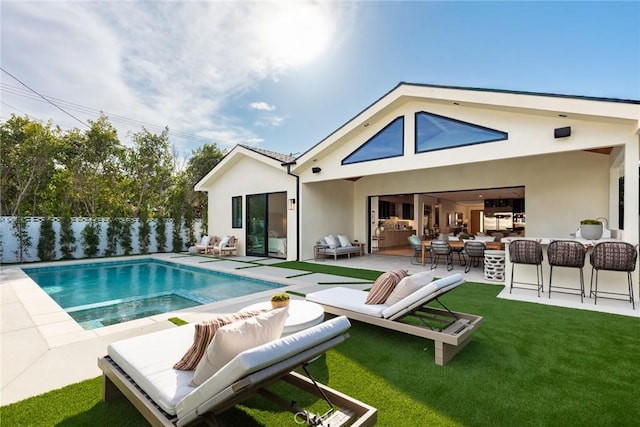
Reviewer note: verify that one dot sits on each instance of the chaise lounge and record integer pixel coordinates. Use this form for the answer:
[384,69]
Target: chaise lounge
[141,369]
[454,329]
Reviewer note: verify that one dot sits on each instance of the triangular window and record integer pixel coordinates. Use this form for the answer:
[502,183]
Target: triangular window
[389,142]
[434,132]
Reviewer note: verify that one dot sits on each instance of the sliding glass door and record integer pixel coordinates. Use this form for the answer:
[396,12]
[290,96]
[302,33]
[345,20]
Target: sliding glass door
[267,224]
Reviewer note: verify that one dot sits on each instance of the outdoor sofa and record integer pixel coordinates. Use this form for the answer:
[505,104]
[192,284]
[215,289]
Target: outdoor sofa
[334,246]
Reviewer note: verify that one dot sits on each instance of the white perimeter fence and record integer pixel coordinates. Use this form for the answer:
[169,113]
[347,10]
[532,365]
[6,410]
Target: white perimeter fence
[9,243]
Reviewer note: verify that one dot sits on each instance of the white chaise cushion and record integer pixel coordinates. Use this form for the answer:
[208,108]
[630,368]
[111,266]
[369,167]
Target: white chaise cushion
[148,360]
[348,299]
[255,359]
[422,295]
[234,338]
[205,241]
[409,285]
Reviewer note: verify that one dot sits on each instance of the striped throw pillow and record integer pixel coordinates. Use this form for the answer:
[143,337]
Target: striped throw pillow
[384,285]
[203,335]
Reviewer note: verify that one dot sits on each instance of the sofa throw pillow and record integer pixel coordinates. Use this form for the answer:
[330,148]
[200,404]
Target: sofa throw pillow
[344,240]
[384,285]
[409,285]
[331,241]
[203,335]
[234,338]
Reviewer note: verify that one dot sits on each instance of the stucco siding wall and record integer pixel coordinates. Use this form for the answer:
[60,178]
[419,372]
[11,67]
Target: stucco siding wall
[248,176]
[327,208]
[561,189]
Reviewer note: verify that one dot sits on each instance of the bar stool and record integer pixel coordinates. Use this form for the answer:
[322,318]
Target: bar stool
[567,253]
[438,249]
[613,256]
[526,252]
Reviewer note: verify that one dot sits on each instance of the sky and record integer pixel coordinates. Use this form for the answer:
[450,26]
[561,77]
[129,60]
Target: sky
[284,75]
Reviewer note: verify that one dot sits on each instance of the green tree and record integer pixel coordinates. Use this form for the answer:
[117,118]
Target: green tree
[91,239]
[47,241]
[27,164]
[148,168]
[67,237]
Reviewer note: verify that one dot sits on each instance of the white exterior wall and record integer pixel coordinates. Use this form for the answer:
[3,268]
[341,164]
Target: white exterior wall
[328,208]
[249,176]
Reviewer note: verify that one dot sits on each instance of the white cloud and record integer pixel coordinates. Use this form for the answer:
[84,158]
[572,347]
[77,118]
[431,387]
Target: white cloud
[271,121]
[176,64]
[262,106]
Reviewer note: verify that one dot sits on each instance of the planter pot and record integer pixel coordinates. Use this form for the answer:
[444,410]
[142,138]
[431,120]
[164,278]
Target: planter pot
[278,304]
[591,231]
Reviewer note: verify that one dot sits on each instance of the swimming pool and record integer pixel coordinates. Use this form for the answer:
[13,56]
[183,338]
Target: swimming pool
[106,293]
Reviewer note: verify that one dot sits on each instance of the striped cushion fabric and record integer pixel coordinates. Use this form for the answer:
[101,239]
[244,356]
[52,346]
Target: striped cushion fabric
[203,335]
[384,285]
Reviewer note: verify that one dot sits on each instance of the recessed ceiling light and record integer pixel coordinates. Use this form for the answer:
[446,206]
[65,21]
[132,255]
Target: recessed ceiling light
[366,124]
[562,115]
[455,103]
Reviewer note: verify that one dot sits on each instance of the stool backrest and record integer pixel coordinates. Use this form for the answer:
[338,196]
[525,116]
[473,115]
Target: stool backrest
[616,256]
[525,252]
[566,253]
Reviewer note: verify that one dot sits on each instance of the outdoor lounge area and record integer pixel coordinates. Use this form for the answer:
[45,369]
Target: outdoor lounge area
[523,352]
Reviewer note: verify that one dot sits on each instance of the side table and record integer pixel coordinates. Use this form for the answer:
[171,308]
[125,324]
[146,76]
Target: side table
[302,314]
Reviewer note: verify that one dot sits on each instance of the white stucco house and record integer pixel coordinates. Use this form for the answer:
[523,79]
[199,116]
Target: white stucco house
[425,157]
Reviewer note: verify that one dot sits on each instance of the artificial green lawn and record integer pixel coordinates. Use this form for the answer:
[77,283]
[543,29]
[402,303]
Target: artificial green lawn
[527,365]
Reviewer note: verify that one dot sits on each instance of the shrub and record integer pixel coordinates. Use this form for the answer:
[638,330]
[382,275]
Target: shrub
[91,239]
[47,242]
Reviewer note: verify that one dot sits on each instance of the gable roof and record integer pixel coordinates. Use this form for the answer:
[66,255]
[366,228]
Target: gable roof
[494,98]
[271,158]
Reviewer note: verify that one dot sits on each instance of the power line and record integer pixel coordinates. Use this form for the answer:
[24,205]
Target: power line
[15,90]
[41,96]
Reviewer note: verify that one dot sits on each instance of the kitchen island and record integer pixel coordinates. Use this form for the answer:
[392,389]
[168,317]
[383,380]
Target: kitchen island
[391,238]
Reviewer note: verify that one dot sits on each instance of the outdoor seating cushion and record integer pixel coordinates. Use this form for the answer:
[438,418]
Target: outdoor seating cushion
[254,359]
[148,360]
[236,337]
[203,335]
[384,285]
[409,285]
[354,299]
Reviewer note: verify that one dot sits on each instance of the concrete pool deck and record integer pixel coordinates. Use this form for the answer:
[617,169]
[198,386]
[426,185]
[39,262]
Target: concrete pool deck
[42,348]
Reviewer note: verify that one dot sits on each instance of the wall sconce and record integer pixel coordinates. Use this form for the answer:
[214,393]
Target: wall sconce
[315,169]
[291,204]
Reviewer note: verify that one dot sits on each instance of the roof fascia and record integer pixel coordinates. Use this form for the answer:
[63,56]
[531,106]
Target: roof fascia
[231,158]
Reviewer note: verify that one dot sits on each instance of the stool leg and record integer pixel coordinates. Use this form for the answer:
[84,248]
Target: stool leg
[550,278]
[630,280]
[581,286]
[513,267]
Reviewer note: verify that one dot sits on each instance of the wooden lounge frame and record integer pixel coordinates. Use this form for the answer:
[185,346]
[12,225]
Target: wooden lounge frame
[448,340]
[346,411]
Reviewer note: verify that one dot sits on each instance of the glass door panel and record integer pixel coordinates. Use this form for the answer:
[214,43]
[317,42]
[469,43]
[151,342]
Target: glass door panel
[257,225]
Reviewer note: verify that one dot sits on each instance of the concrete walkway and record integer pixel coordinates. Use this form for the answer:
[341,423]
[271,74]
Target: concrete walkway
[42,348]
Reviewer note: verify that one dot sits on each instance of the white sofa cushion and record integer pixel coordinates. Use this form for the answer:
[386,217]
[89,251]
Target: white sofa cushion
[331,241]
[344,240]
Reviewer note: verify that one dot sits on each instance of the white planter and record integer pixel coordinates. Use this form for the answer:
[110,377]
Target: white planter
[591,231]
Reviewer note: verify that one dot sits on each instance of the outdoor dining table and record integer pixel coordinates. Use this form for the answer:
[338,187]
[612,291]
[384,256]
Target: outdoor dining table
[459,245]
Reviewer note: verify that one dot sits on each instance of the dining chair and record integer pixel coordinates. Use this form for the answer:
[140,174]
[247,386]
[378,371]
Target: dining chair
[439,249]
[475,252]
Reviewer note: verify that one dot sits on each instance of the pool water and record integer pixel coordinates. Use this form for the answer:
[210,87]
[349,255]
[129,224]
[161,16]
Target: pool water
[102,294]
